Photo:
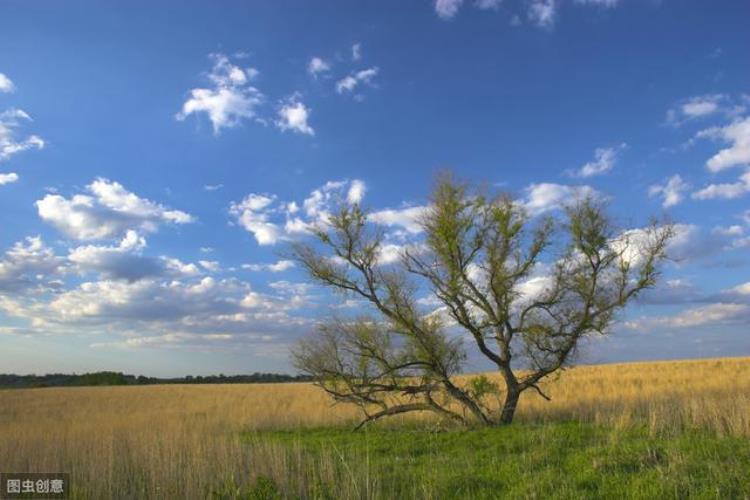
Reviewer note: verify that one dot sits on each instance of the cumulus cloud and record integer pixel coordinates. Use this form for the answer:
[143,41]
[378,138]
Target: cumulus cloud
[726,191]
[356,52]
[149,300]
[488,4]
[604,160]
[141,301]
[739,292]
[735,230]
[10,121]
[276,267]
[671,191]
[211,266]
[599,3]
[270,220]
[351,82]
[446,9]
[542,12]
[150,312]
[29,263]
[356,191]
[6,85]
[672,291]
[8,178]
[703,106]
[293,115]
[546,196]
[212,187]
[689,243]
[737,135]
[231,98]
[252,214]
[126,262]
[109,211]
[317,206]
[318,66]
[707,315]
[406,218]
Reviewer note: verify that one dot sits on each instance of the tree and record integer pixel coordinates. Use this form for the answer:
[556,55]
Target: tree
[482,257]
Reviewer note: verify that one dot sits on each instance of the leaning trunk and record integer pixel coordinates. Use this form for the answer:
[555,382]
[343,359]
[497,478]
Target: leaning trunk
[509,407]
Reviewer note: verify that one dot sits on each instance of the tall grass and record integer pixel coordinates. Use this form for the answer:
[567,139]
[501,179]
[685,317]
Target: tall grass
[184,441]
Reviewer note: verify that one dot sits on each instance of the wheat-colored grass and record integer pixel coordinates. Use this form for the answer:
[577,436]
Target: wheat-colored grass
[181,441]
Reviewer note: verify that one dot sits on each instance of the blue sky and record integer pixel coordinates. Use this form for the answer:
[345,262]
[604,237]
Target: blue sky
[155,160]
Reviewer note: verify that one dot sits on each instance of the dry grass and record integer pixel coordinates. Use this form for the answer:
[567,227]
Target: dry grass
[183,441]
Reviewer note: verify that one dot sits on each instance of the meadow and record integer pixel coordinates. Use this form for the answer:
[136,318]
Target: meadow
[640,430]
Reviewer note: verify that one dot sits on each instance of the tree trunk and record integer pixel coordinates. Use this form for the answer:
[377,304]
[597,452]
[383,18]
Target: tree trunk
[509,407]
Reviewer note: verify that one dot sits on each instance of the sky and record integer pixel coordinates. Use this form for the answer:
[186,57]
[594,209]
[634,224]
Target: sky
[158,158]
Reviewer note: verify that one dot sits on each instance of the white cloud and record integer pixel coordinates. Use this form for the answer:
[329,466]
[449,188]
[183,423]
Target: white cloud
[543,12]
[604,160]
[390,253]
[212,187]
[232,98]
[351,82]
[599,3]
[407,218]
[154,313]
[488,4]
[318,66]
[356,191]
[703,106]
[276,267]
[356,52]
[740,243]
[737,134]
[295,225]
[261,214]
[546,196]
[742,290]
[670,292]
[446,9]
[251,214]
[672,191]
[109,212]
[293,115]
[8,178]
[126,262]
[28,264]
[10,120]
[697,107]
[727,191]
[190,303]
[6,85]
[735,230]
[712,314]
[318,204]
[211,266]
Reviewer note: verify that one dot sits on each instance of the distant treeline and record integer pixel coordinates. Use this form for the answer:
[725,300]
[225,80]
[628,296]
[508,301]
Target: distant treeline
[117,378]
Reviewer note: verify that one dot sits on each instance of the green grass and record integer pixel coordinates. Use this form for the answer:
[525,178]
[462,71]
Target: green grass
[529,461]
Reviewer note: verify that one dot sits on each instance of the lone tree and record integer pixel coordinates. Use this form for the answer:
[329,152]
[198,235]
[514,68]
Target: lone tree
[482,259]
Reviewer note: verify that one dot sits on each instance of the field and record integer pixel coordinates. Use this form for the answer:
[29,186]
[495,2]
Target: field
[641,430]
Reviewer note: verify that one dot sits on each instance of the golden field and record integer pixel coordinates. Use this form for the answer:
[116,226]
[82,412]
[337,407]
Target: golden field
[172,441]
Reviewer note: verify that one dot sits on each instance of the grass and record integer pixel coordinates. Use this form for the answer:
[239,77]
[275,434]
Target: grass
[564,460]
[648,430]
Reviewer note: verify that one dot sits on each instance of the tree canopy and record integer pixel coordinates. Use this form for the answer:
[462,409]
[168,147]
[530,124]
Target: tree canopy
[521,291]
